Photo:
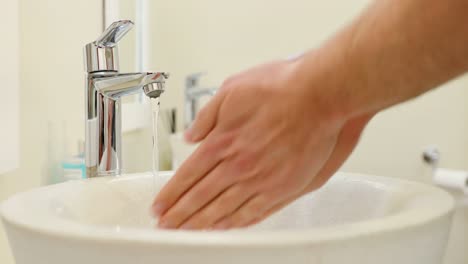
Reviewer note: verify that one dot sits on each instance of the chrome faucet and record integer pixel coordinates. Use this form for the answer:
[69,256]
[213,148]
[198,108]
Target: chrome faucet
[192,94]
[104,88]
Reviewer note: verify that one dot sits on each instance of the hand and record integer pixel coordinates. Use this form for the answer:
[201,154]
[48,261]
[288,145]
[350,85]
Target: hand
[268,138]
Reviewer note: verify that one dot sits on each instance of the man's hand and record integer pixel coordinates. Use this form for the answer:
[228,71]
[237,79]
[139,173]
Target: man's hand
[267,140]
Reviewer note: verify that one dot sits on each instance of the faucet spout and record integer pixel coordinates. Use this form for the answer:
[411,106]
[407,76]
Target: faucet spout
[103,115]
[118,85]
[104,88]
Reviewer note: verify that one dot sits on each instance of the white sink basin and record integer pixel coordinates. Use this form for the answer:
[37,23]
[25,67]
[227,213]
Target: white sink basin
[353,219]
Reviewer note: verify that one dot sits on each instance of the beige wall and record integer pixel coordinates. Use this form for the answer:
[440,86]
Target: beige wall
[393,142]
[9,87]
[52,35]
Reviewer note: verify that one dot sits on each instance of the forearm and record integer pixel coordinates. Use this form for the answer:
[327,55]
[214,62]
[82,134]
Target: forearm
[396,50]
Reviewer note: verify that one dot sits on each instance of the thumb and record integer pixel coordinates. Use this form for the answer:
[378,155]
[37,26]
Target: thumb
[206,119]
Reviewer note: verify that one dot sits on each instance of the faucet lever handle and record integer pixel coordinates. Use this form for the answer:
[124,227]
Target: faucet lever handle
[193,79]
[114,33]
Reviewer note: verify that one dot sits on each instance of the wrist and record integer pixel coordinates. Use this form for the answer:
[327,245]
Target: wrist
[342,73]
[322,82]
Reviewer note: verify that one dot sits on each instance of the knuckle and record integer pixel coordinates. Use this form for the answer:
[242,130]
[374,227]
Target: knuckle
[225,139]
[221,141]
[218,145]
[245,162]
[211,147]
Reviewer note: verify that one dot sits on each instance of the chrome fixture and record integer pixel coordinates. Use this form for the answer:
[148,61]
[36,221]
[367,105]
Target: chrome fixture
[104,88]
[431,156]
[192,94]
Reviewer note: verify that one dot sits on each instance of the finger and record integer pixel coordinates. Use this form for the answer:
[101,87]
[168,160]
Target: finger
[223,205]
[197,197]
[253,209]
[205,120]
[204,159]
[274,209]
[280,205]
[277,207]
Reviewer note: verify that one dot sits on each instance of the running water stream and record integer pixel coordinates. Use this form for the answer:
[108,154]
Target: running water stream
[155,113]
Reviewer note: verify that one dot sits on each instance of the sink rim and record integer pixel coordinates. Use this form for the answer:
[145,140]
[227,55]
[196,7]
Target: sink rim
[441,205]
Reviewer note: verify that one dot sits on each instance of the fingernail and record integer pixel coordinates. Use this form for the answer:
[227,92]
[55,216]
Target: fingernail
[158,209]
